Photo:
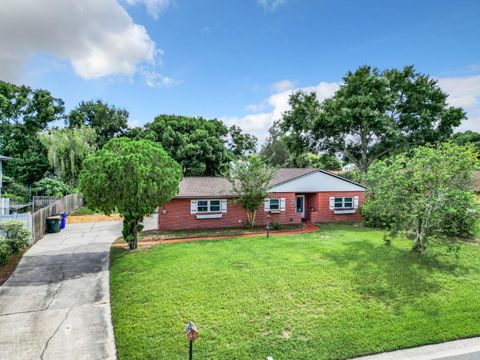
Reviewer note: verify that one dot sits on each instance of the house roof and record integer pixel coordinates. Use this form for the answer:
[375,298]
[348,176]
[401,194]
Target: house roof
[2,158]
[201,186]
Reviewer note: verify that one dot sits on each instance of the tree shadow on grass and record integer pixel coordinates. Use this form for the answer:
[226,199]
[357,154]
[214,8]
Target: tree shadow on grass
[390,274]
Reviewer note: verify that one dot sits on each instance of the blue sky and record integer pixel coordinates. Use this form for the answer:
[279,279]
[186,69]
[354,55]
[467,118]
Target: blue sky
[234,60]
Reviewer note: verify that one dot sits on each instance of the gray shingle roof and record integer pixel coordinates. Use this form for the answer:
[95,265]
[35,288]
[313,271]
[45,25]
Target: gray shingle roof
[203,186]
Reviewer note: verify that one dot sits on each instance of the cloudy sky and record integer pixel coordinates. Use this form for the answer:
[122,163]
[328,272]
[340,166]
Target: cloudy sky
[235,60]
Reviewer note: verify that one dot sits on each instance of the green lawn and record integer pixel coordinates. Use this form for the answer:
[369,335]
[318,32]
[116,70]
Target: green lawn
[333,294]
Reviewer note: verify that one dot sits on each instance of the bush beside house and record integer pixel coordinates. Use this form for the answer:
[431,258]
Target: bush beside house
[14,237]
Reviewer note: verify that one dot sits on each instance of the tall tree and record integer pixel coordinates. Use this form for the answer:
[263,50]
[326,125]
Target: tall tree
[131,177]
[276,151]
[197,144]
[250,179]
[372,115]
[107,120]
[240,143]
[426,194]
[67,148]
[23,113]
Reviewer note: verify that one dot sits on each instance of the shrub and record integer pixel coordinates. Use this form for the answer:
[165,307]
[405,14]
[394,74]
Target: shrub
[16,236]
[4,252]
[275,225]
[16,189]
[13,197]
[51,187]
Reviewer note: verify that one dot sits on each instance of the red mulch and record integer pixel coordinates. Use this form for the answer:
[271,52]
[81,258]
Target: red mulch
[307,229]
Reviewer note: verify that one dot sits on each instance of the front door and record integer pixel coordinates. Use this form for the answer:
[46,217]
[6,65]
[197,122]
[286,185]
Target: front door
[301,205]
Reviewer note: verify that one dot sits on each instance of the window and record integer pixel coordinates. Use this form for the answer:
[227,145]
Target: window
[208,206]
[214,205]
[343,203]
[274,204]
[202,206]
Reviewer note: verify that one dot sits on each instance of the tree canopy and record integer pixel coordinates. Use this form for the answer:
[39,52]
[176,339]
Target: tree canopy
[426,193]
[468,138]
[373,114]
[131,177]
[250,179]
[24,113]
[197,144]
[240,143]
[67,148]
[107,120]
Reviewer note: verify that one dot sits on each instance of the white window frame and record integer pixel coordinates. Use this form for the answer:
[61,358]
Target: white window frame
[209,206]
[335,207]
[281,204]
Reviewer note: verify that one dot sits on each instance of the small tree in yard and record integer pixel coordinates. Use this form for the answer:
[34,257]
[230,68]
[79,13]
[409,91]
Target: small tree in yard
[131,177]
[250,179]
[426,193]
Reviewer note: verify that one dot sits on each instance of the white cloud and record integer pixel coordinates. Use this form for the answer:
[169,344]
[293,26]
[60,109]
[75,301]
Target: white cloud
[154,7]
[97,37]
[270,5]
[464,92]
[282,85]
[258,124]
[154,79]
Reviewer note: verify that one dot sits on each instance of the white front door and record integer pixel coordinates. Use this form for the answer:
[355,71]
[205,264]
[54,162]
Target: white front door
[300,202]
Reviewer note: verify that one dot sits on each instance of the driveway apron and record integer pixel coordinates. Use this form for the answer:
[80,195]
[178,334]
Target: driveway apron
[56,305]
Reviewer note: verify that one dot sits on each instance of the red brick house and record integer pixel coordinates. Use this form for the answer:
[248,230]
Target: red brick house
[296,195]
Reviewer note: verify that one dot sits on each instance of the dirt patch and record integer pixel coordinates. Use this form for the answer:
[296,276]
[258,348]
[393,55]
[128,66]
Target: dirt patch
[7,269]
[92,218]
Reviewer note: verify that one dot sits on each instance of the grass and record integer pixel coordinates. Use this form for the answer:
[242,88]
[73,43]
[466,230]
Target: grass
[83,211]
[333,294]
[154,235]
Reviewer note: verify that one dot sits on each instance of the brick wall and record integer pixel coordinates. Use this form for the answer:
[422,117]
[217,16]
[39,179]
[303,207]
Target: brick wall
[176,215]
[321,203]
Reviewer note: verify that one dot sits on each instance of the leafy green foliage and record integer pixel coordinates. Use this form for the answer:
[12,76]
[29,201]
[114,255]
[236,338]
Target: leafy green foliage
[198,145]
[468,138]
[5,252]
[107,120]
[240,143]
[51,187]
[276,151]
[23,113]
[129,177]
[250,179]
[275,225]
[301,296]
[15,234]
[67,148]
[427,194]
[15,189]
[373,114]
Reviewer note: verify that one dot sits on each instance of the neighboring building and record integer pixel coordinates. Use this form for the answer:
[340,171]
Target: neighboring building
[349,167]
[295,195]
[476,182]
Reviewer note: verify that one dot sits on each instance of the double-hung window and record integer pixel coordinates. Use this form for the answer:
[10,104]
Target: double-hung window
[343,203]
[208,206]
[274,204]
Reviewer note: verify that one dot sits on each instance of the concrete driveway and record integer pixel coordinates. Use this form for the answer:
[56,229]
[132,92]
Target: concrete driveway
[56,305]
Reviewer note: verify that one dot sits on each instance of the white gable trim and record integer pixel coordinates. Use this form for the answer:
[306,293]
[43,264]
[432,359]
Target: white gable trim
[317,181]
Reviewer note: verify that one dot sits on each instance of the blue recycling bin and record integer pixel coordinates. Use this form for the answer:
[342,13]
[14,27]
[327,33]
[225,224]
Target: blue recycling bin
[63,221]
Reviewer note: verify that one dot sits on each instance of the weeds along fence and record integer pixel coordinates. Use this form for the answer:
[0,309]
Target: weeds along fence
[66,204]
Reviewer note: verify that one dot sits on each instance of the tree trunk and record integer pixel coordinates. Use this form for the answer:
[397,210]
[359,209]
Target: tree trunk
[130,232]
[254,213]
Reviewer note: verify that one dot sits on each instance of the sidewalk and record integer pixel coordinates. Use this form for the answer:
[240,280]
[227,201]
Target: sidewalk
[467,349]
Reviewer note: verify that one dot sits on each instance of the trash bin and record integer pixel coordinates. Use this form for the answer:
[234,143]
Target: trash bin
[64,219]
[53,224]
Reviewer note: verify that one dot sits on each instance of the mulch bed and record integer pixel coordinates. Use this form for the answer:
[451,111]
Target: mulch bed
[92,218]
[7,269]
